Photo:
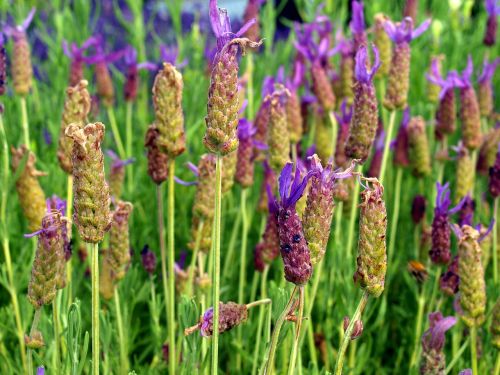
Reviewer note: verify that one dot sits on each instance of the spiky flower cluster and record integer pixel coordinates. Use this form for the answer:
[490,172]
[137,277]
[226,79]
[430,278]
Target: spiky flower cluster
[117,174]
[91,191]
[418,147]
[433,357]
[29,191]
[119,242]
[231,314]
[279,137]
[465,177]
[169,119]
[157,158]
[76,54]
[469,110]
[383,44]
[76,109]
[372,256]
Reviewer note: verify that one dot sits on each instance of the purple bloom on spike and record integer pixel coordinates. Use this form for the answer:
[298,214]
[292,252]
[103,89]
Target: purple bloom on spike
[170,54]
[293,246]
[493,10]
[401,146]
[357,25]
[433,357]
[365,113]
[440,249]
[132,74]
[485,88]
[56,203]
[399,75]
[449,281]
[148,259]
[344,121]
[76,54]
[245,162]
[466,214]
[117,173]
[40,370]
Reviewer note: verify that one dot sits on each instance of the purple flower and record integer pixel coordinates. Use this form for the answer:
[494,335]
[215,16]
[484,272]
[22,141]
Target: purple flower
[361,72]
[403,32]
[291,187]
[345,114]
[56,203]
[17,32]
[443,200]
[76,53]
[170,54]
[47,136]
[245,129]
[492,7]
[148,259]
[357,24]
[451,81]
[465,80]
[467,371]
[40,370]
[342,45]
[433,338]
[488,71]
[221,25]
[100,55]
[118,163]
[206,323]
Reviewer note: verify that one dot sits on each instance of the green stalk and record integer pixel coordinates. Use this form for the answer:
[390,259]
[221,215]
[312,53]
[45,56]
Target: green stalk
[216,264]
[189,290]
[171,269]
[269,364]
[295,347]
[154,312]
[6,245]
[418,328]
[497,366]
[121,336]
[228,263]
[116,132]
[243,252]
[388,139]
[347,335]
[95,308]
[473,349]
[24,122]
[352,218]
[456,357]
[333,123]
[260,323]
[34,325]
[128,140]
[395,215]
[495,239]
[57,343]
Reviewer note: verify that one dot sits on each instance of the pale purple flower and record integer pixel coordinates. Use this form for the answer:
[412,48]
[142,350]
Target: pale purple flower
[361,72]
[403,32]
[451,81]
[488,71]
[357,24]
[17,32]
[206,324]
[492,7]
[433,338]
[170,54]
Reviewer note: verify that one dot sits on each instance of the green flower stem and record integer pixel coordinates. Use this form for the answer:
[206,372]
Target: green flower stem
[395,214]
[216,264]
[34,325]
[388,140]
[24,122]
[128,142]
[495,239]
[121,337]
[116,132]
[57,343]
[242,279]
[269,365]
[335,126]
[199,230]
[456,357]
[497,366]
[171,270]
[347,335]
[473,349]
[418,328]
[263,290]
[298,325]
[352,218]
[6,245]
[95,308]
[260,302]
[154,311]
[228,263]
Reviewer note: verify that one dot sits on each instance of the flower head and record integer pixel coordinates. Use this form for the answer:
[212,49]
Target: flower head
[77,53]
[433,338]
[465,79]
[357,24]
[361,72]
[443,200]
[451,81]
[488,71]
[403,31]
[170,54]
[492,7]
[18,31]
[291,187]
[148,259]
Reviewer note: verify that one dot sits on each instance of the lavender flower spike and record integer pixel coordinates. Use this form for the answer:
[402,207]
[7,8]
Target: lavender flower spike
[490,34]
[293,246]
[399,75]
[433,357]
[357,25]
[117,173]
[75,53]
[440,249]
[223,103]
[365,114]
[132,74]
[485,88]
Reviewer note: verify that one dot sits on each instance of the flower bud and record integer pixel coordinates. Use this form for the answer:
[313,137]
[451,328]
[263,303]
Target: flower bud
[398,84]
[29,191]
[471,272]
[357,329]
[434,89]
[261,123]
[433,358]
[22,70]
[383,44]
[401,147]
[91,191]
[419,154]
[372,256]
[157,159]
[205,190]
[106,277]
[449,281]
[119,243]
[169,119]
[76,110]
[117,174]
[148,259]
[445,115]
[231,314]
[279,137]
[105,88]
[34,341]
[490,33]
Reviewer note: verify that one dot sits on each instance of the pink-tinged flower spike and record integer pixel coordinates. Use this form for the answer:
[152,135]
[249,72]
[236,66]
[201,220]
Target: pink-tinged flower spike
[440,249]
[261,120]
[466,214]
[223,104]
[399,75]
[117,174]
[78,60]
[401,146]
[469,110]
[445,113]
[490,34]
[101,60]
[344,120]
[3,66]
[293,246]
[449,281]
[365,113]
[485,89]
[318,213]
[433,357]
[157,158]
[357,25]
[148,259]
[494,181]
[22,70]
[132,74]
[231,314]
[245,162]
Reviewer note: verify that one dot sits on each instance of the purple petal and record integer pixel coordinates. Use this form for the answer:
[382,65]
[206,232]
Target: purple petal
[147,66]
[421,29]
[193,168]
[357,24]
[25,24]
[185,183]
[245,27]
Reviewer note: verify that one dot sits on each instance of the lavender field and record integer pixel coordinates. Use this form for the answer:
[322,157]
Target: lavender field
[249,187]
